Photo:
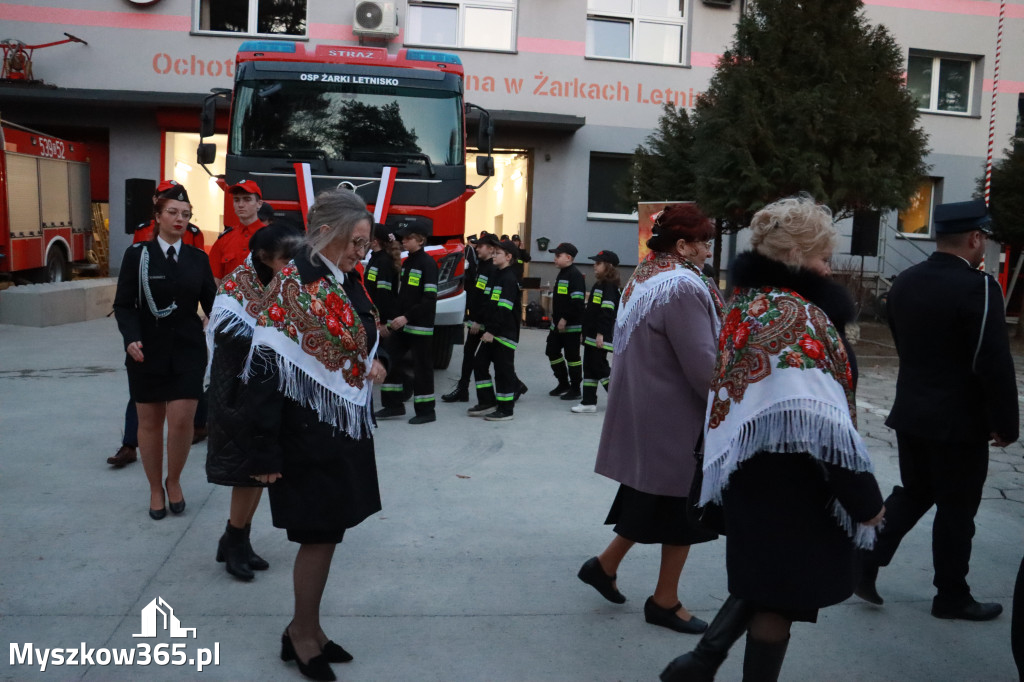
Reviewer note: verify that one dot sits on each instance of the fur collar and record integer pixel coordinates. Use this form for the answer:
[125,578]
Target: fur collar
[751,269]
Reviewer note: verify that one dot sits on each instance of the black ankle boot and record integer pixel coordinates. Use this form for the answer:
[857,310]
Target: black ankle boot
[459,394]
[231,550]
[762,661]
[701,664]
[255,561]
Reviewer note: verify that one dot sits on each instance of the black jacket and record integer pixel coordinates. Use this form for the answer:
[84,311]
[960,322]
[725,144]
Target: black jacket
[504,307]
[599,316]
[175,343]
[478,291]
[784,549]
[956,380]
[417,292]
[382,284]
[568,299]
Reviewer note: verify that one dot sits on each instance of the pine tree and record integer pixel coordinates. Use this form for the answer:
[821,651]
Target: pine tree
[1006,203]
[809,97]
[662,168]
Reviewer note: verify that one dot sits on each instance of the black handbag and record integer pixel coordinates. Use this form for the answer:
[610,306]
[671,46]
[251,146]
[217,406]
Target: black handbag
[711,516]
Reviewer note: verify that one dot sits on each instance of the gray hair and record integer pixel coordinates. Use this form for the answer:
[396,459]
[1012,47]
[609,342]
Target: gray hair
[340,210]
[791,229]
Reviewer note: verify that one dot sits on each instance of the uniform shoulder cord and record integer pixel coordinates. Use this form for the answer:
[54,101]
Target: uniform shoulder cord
[158,313]
[981,332]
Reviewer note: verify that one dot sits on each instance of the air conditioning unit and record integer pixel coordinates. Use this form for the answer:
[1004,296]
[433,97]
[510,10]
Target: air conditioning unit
[375,19]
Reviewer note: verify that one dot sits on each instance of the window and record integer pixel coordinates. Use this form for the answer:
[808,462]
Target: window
[479,24]
[262,17]
[637,30]
[943,84]
[606,192]
[916,219]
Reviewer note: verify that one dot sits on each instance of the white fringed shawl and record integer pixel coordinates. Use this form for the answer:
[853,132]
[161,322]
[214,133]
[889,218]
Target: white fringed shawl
[782,384]
[318,343]
[659,278]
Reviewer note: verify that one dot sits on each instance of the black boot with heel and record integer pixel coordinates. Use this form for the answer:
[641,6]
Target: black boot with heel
[701,664]
[232,551]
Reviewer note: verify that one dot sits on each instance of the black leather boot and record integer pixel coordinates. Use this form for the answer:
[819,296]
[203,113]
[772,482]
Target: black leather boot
[701,664]
[762,661]
[255,561]
[231,550]
[459,394]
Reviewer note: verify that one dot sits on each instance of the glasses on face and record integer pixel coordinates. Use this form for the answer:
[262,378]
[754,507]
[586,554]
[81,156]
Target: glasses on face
[361,244]
[174,213]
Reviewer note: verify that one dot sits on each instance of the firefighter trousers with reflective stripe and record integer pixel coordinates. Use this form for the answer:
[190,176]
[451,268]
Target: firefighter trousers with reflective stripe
[563,350]
[468,355]
[503,390]
[421,348]
[595,371]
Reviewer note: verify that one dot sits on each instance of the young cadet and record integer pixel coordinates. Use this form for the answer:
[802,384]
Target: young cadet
[598,328]
[563,345]
[478,292]
[382,272]
[498,343]
[412,331]
[232,246]
[192,236]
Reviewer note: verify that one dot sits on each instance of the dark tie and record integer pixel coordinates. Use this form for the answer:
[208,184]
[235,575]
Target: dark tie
[172,262]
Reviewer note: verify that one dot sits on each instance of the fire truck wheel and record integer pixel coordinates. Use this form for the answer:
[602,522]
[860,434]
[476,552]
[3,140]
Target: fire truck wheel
[57,269]
[444,342]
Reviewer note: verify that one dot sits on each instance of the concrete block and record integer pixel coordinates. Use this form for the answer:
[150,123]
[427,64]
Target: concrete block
[47,305]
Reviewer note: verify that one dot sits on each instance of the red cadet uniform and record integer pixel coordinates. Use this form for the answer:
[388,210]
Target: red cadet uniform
[231,248]
[192,236]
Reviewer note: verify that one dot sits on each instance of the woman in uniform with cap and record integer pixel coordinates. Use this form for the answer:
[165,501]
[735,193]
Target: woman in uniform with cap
[599,329]
[160,286]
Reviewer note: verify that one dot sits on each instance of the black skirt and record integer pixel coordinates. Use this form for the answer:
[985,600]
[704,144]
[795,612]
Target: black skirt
[161,387]
[653,519]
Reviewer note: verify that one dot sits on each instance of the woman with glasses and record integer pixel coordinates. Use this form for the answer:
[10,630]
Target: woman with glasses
[161,285]
[665,340]
[308,398]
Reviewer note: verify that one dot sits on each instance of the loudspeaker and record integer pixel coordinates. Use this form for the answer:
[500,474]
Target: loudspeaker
[138,202]
[864,241]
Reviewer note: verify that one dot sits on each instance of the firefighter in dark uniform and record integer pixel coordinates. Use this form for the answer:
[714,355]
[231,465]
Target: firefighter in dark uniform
[478,292]
[382,273]
[563,345]
[412,331]
[598,329]
[501,315]
[956,391]
[522,258]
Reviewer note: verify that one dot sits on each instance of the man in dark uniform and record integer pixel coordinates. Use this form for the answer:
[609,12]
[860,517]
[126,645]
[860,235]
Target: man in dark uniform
[956,391]
[563,344]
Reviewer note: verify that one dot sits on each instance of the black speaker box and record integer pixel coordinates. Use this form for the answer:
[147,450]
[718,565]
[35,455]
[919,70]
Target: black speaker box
[864,241]
[138,202]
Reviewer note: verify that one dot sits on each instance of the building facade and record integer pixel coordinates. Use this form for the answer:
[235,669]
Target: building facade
[574,86]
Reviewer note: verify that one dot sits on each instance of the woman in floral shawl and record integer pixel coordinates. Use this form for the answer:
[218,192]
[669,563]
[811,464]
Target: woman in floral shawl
[665,335]
[310,377]
[782,453]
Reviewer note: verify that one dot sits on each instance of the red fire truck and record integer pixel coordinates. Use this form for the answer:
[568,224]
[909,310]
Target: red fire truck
[45,218]
[349,113]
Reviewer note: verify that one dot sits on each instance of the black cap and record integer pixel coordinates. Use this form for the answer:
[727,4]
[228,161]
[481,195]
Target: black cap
[606,257]
[508,247]
[565,247]
[488,239]
[414,228]
[173,191]
[962,216]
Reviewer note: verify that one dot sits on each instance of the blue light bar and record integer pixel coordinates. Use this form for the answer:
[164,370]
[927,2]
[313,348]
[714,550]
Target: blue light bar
[266,46]
[429,56]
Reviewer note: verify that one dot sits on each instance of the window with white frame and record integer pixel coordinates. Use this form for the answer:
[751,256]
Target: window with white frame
[942,83]
[916,219]
[607,185]
[477,24]
[637,30]
[254,17]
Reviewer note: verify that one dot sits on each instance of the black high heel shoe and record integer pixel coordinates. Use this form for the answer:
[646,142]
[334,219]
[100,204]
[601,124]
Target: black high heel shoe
[668,618]
[317,668]
[335,653]
[176,507]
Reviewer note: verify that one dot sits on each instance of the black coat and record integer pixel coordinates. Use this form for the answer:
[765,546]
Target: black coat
[504,308]
[230,457]
[382,284]
[417,291]
[478,289]
[783,547]
[956,381]
[329,480]
[569,299]
[176,343]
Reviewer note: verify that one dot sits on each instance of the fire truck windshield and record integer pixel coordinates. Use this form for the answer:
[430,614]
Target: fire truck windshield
[342,121]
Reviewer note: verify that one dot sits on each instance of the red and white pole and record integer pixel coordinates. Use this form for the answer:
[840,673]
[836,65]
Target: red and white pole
[995,97]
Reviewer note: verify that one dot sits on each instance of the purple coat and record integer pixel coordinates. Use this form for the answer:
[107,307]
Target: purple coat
[658,394]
